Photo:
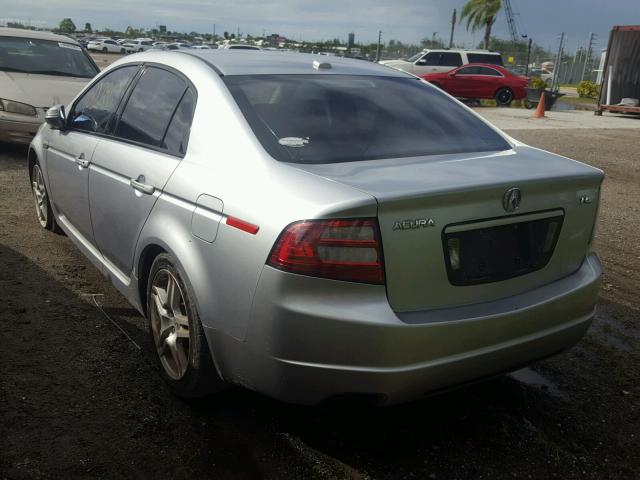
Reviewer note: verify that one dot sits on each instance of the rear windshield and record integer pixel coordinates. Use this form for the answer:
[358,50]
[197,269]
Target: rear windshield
[338,118]
[484,58]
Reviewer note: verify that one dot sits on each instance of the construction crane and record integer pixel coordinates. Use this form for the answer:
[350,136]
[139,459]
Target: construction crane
[511,20]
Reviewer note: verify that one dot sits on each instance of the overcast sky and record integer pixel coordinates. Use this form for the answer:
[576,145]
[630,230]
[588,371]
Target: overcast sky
[405,20]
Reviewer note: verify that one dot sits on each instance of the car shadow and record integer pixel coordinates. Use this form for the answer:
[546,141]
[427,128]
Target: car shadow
[77,397]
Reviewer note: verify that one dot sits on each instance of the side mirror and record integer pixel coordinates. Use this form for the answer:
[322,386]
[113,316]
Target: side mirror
[421,62]
[56,118]
[452,74]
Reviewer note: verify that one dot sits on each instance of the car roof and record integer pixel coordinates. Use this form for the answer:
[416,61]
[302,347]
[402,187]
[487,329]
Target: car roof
[24,33]
[261,62]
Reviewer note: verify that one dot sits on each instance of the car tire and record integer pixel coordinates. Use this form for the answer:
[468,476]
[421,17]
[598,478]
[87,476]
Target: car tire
[139,50]
[177,336]
[44,212]
[122,50]
[504,97]
[104,50]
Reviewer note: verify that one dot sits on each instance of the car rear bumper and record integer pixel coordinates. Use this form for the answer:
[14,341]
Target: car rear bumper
[13,131]
[308,341]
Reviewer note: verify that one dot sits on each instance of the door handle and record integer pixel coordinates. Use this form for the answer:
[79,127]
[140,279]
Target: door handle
[138,184]
[80,160]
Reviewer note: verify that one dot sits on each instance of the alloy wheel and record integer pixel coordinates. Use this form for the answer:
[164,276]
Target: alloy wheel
[170,324]
[40,196]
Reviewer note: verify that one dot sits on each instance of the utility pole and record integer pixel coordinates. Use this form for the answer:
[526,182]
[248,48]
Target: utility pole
[378,49]
[587,58]
[557,67]
[453,27]
[528,57]
[433,38]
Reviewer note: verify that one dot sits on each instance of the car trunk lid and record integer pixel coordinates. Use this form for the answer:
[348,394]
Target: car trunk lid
[427,205]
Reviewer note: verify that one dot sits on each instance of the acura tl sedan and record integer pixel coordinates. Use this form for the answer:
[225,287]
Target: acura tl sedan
[312,227]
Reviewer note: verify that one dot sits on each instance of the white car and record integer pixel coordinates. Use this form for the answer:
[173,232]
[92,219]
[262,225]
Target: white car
[37,70]
[139,45]
[438,61]
[107,46]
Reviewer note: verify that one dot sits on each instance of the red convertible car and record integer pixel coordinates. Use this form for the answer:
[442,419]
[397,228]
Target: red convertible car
[479,80]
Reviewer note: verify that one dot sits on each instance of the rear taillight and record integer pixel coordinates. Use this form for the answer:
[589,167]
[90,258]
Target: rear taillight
[348,250]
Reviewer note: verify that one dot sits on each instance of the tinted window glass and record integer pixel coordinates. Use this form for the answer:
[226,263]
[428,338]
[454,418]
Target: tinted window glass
[484,58]
[340,118]
[94,110]
[177,135]
[432,58]
[30,55]
[467,71]
[150,107]
[450,59]
[488,71]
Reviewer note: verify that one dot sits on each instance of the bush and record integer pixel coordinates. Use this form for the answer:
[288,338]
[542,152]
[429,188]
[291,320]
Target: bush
[587,89]
[537,82]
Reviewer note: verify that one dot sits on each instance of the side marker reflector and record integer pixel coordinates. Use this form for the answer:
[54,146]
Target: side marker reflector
[242,225]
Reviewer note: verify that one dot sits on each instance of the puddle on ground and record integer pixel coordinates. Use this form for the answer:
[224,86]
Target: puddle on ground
[535,380]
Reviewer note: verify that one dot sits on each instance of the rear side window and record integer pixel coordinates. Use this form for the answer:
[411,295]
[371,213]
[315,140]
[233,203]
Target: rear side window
[484,58]
[177,135]
[150,107]
[450,59]
[99,104]
[343,118]
[489,71]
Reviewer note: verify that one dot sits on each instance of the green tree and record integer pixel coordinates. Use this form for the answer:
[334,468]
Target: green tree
[481,14]
[87,28]
[15,25]
[67,25]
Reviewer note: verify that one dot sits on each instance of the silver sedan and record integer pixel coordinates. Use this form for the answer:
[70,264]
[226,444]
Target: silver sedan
[309,227]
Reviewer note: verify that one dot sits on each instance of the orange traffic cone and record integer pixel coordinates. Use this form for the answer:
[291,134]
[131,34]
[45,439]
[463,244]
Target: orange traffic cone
[539,113]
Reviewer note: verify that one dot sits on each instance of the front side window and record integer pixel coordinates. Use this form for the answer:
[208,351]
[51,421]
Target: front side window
[467,71]
[431,59]
[45,57]
[344,118]
[150,107]
[98,105]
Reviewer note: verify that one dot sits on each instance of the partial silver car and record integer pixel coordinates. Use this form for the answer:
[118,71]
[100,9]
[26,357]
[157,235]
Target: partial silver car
[37,70]
[309,227]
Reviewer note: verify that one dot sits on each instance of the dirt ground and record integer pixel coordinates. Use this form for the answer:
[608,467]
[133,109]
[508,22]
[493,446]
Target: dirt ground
[80,400]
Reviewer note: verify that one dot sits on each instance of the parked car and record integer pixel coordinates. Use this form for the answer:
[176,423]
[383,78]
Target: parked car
[478,80]
[440,61]
[545,75]
[138,45]
[201,47]
[37,70]
[108,46]
[308,226]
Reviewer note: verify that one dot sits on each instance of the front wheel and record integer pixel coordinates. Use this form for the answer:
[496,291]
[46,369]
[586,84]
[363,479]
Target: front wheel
[41,197]
[104,50]
[122,50]
[504,97]
[178,337]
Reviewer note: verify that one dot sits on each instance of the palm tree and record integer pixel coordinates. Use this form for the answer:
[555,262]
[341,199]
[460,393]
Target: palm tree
[481,14]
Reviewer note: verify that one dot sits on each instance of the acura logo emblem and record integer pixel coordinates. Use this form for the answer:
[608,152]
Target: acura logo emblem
[511,199]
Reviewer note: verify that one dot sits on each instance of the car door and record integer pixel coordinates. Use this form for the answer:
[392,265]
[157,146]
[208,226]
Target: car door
[429,63]
[70,151]
[130,169]
[463,82]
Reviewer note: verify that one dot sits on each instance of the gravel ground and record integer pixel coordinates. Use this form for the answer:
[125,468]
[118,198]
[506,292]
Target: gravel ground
[80,400]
